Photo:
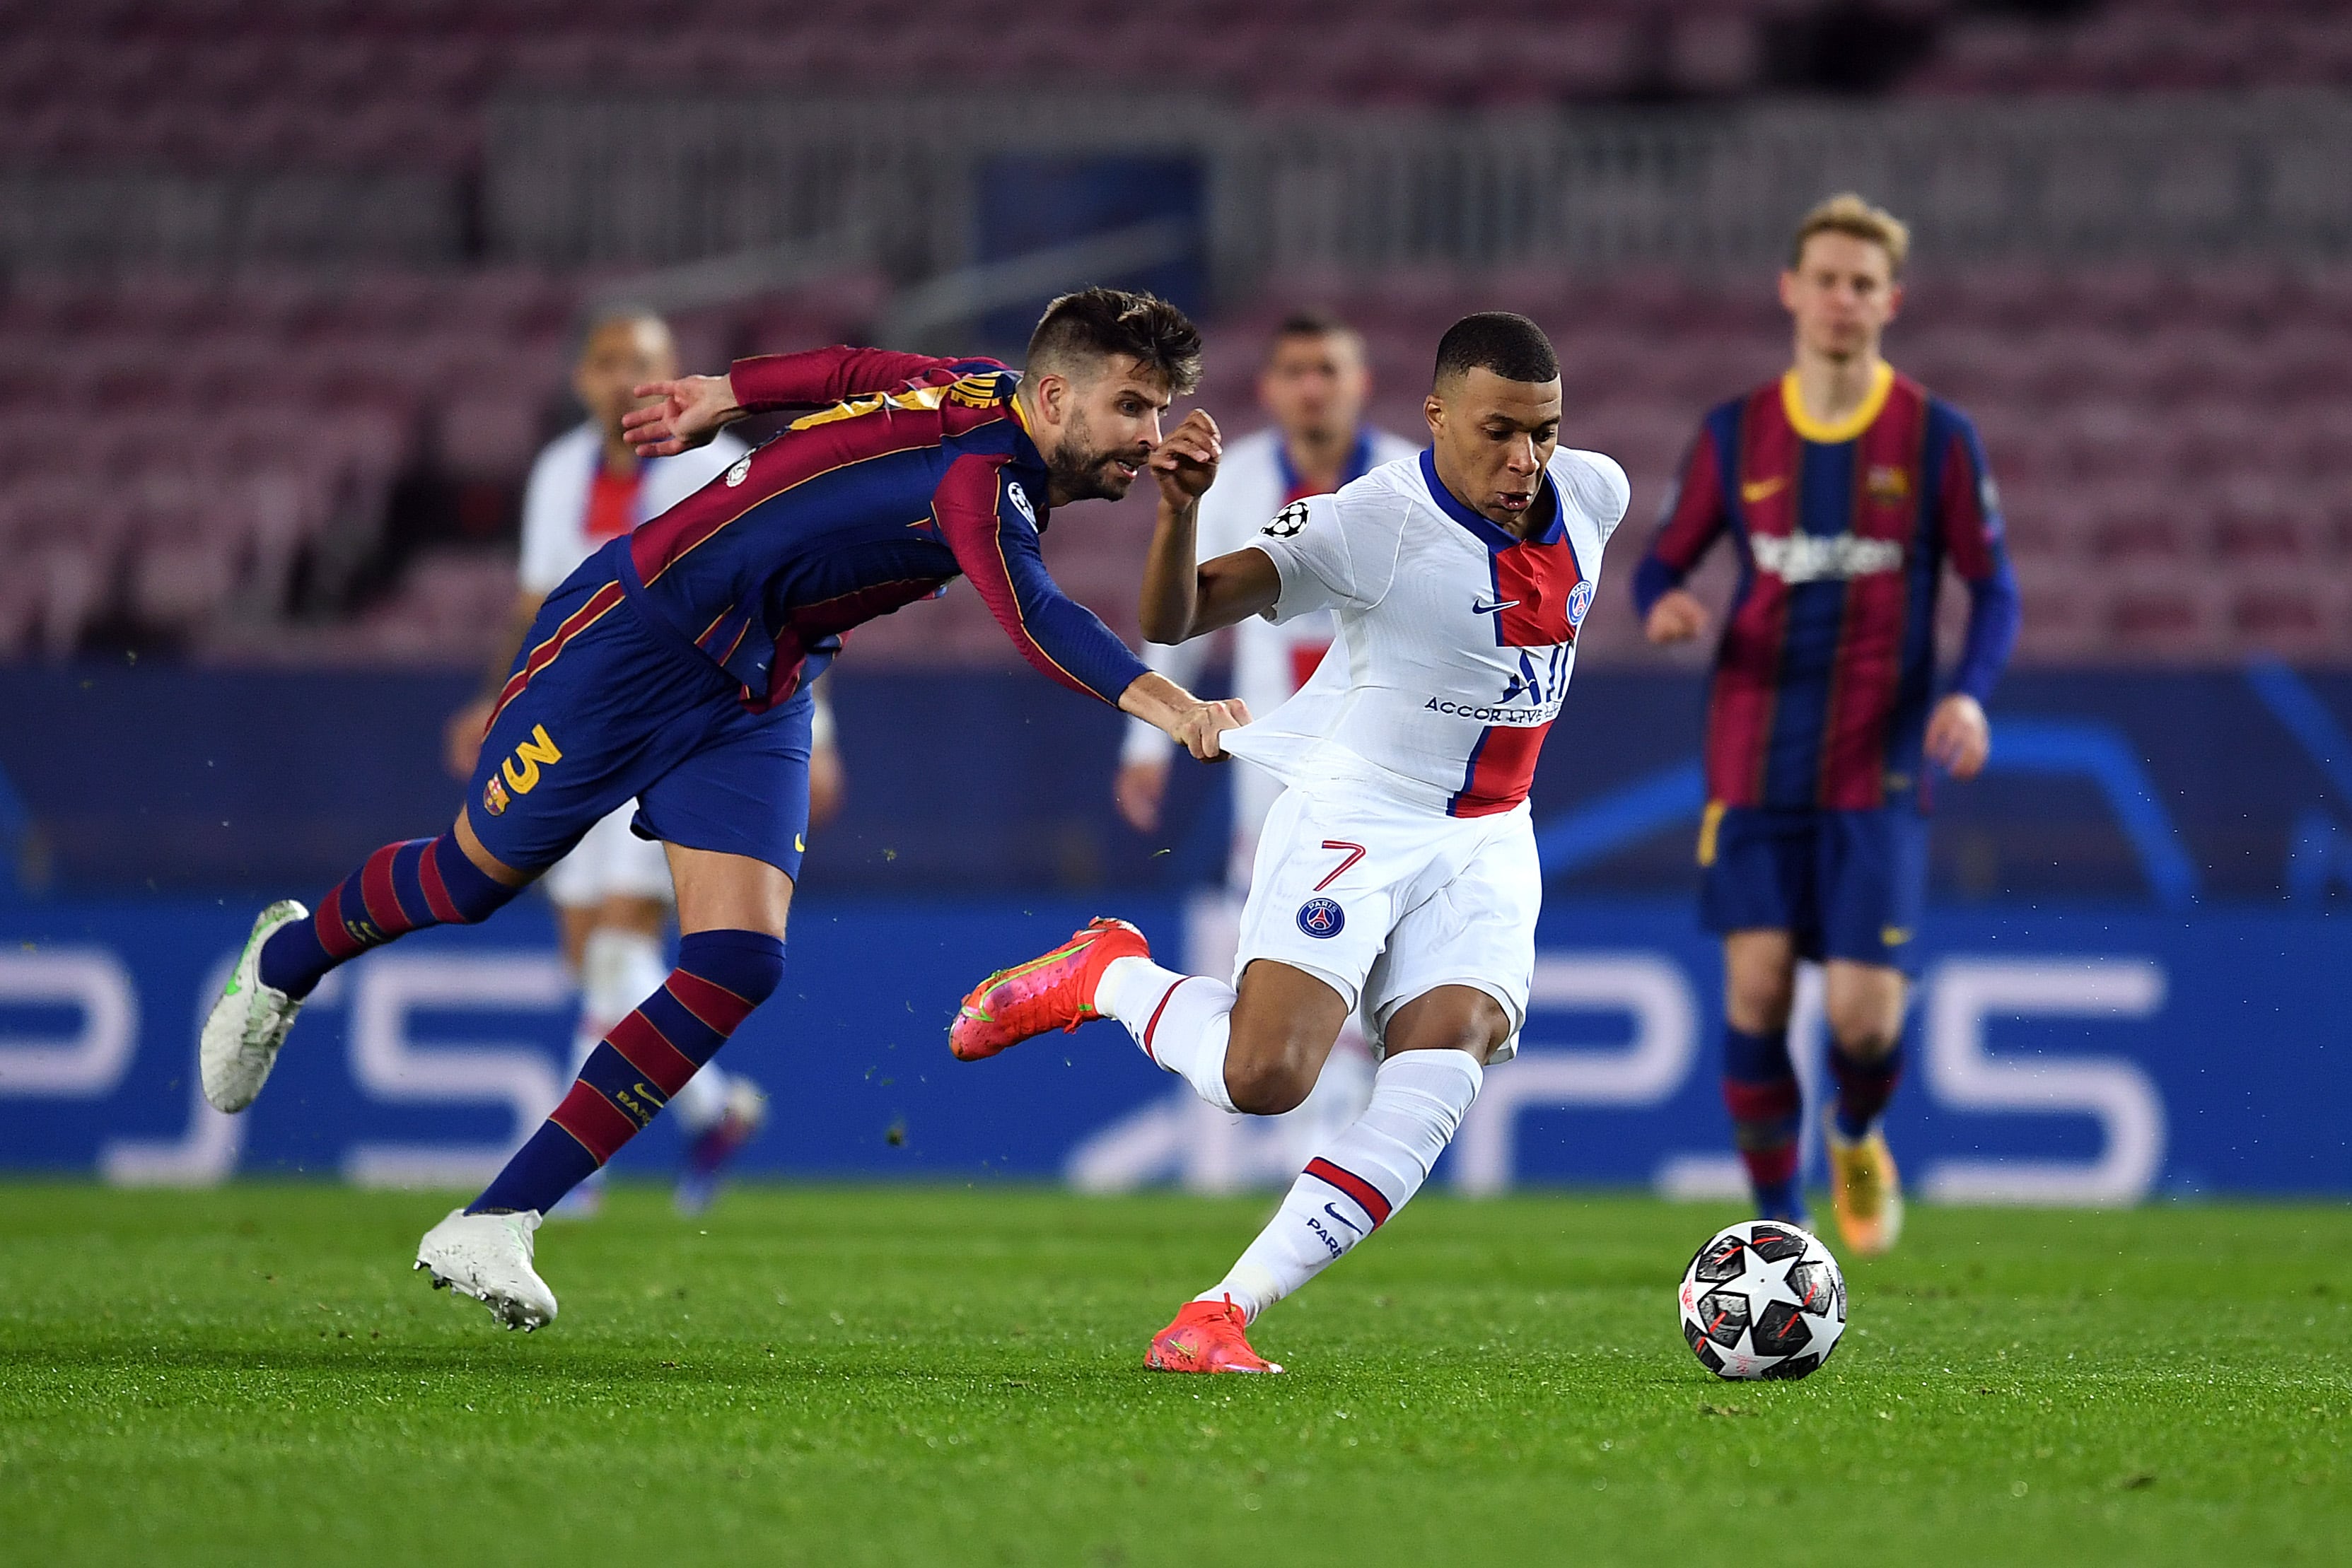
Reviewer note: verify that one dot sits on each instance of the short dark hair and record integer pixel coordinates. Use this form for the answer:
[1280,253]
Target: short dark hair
[1510,345]
[1310,324]
[611,313]
[1096,323]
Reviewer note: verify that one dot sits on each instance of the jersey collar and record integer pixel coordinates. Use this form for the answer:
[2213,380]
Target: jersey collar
[1492,535]
[1359,463]
[1025,449]
[1028,443]
[1792,403]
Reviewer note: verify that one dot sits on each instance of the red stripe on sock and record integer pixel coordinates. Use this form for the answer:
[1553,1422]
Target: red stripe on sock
[644,1047]
[384,911]
[1153,1027]
[1770,1166]
[333,937]
[1366,1196]
[437,892]
[1775,1102]
[718,1008]
[598,1125]
[1864,1087]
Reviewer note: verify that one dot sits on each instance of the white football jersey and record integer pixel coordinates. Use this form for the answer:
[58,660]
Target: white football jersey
[555,538]
[1453,638]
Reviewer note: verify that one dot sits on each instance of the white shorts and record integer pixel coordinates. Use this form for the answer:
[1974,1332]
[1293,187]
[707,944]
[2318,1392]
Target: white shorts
[610,861]
[1384,904]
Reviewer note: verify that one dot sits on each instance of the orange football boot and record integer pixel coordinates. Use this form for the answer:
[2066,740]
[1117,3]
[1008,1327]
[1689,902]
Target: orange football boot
[1057,992]
[1207,1336]
[1866,1190]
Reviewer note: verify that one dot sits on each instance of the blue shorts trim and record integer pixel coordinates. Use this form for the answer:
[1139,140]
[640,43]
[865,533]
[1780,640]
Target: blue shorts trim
[623,710]
[1843,884]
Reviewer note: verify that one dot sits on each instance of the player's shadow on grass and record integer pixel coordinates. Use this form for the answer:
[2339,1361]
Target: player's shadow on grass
[591,1364]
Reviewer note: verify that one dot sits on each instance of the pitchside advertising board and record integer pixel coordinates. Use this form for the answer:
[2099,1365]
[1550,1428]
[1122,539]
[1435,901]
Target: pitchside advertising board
[2059,1057]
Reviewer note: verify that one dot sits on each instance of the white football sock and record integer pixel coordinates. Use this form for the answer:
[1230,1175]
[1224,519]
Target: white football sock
[1367,1174]
[701,1100]
[1182,1021]
[619,970]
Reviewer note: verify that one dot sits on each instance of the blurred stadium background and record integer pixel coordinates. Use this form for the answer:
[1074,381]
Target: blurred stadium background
[291,292]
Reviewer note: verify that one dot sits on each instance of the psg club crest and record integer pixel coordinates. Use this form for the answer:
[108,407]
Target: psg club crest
[1321,917]
[494,798]
[1580,600]
[1287,521]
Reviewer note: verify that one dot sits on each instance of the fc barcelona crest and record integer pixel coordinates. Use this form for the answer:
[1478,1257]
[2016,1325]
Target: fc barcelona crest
[1889,486]
[494,798]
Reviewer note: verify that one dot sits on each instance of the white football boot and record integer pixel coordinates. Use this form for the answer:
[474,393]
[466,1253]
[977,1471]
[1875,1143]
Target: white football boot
[488,1256]
[247,1026]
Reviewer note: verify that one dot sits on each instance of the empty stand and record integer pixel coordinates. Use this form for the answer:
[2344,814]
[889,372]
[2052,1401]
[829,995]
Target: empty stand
[2168,444]
[197,438]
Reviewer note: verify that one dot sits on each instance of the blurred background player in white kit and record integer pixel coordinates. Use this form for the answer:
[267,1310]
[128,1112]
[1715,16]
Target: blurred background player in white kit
[612,893]
[1314,385]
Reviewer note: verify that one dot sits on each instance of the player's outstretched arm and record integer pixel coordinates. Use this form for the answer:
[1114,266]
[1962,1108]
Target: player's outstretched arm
[692,410]
[1182,600]
[1193,723]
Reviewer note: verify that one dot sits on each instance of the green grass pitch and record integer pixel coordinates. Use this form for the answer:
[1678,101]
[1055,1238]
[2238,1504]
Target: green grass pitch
[950,1375]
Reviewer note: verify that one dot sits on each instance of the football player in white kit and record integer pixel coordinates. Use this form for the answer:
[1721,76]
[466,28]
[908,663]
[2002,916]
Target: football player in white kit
[1396,876]
[1314,384]
[611,893]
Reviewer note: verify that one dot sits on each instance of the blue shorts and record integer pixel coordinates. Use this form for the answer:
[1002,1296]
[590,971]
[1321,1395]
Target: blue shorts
[612,707]
[1843,884]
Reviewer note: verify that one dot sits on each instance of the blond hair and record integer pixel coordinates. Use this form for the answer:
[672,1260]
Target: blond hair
[1848,213]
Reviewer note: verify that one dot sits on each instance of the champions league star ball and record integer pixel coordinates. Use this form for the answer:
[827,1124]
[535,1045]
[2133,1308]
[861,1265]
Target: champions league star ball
[1762,1300]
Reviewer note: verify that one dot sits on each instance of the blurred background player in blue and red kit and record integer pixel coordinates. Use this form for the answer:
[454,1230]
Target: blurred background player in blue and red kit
[674,668]
[1846,488]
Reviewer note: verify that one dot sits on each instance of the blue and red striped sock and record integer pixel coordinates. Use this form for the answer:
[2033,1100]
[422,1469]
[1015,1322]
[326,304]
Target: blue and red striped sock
[1864,1088]
[648,1055]
[1759,1088]
[399,889]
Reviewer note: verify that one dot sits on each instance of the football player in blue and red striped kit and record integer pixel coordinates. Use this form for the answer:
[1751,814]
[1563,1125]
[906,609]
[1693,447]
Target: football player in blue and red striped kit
[673,668]
[1846,489]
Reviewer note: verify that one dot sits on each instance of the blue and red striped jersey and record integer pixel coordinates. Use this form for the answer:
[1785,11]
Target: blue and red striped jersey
[1826,673]
[920,470]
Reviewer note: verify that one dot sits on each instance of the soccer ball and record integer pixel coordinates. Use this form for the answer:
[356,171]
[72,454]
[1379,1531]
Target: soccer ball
[1762,1300]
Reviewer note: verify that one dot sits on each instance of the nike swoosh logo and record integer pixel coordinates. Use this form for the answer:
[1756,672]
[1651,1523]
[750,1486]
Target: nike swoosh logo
[800,844]
[1343,1219]
[1500,604]
[1757,490]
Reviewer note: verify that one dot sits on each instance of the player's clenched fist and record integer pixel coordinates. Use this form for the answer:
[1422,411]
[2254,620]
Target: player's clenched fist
[1677,617]
[1198,728]
[687,413]
[1959,738]
[1185,462]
